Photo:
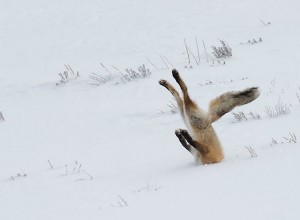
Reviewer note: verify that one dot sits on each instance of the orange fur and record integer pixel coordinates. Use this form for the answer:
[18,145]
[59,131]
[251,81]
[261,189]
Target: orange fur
[201,137]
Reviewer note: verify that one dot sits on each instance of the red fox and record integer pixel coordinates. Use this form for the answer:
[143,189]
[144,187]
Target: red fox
[201,139]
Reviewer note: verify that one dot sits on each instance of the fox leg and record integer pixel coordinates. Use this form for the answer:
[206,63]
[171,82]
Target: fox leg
[184,136]
[183,141]
[186,97]
[174,92]
[195,114]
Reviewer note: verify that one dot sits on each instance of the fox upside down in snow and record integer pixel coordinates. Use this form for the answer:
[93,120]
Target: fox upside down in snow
[201,139]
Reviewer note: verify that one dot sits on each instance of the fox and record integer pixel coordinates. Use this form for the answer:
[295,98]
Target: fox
[200,138]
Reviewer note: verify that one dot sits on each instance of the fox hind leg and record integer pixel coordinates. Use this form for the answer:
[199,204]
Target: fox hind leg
[202,148]
[178,79]
[186,97]
[183,140]
[187,146]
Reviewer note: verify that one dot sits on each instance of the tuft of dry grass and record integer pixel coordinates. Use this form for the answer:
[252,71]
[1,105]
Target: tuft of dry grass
[67,75]
[222,52]
[133,75]
[241,116]
[251,151]
[279,109]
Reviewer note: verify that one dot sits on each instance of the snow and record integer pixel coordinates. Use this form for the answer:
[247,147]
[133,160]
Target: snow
[79,151]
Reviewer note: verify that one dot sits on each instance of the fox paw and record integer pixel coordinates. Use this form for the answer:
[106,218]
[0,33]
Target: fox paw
[175,74]
[180,132]
[163,82]
[184,132]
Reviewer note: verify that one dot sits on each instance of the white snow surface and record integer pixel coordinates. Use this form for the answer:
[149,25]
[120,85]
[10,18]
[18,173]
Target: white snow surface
[79,151]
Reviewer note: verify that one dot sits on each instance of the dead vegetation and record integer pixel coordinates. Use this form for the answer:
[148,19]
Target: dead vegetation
[67,75]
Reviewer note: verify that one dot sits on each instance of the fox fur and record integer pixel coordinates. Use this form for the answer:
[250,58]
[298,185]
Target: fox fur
[201,139]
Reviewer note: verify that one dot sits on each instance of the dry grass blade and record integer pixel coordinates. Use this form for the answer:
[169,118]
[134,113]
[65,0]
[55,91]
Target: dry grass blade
[292,138]
[251,151]
[1,117]
[279,109]
[98,79]
[240,116]
[67,75]
[222,52]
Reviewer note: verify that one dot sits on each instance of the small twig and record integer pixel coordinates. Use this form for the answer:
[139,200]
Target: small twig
[118,70]
[205,50]
[67,75]
[164,62]
[104,67]
[152,64]
[90,176]
[168,62]
[193,56]
[197,49]
[291,139]
[69,68]
[123,200]
[51,166]
[251,151]
[264,23]
[187,51]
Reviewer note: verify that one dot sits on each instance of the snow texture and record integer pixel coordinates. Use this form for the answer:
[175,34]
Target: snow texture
[74,150]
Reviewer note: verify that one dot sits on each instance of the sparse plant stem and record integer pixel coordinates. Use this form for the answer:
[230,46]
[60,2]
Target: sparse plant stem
[123,200]
[240,116]
[67,75]
[89,175]
[152,64]
[222,52]
[168,62]
[104,67]
[205,50]
[131,75]
[164,61]
[279,109]
[120,203]
[254,116]
[70,70]
[173,108]
[50,164]
[292,138]
[98,79]
[187,51]
[118,70]
[264,23]
[148,188]
[251,151]
[197,49]
[274,141]
[193,56]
